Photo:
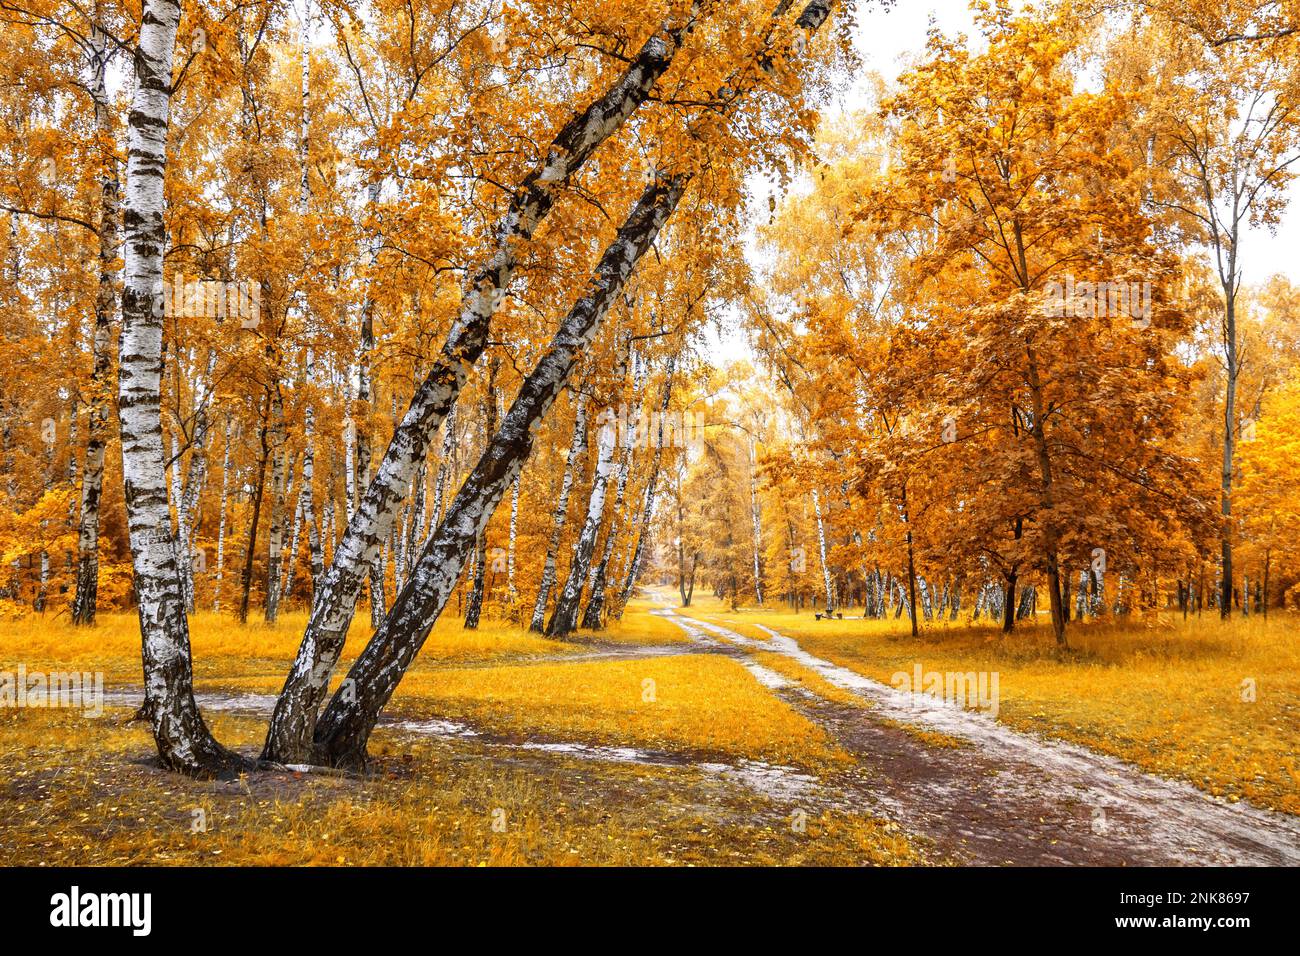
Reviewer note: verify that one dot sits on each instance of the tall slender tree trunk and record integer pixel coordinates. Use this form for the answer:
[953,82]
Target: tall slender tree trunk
[911,563]
[250,551]
[512,593]
[648,503]
[221,522]
[418,517]
[756,520]
[195,479]
[183,740]
[92,480]
[821,550]
[577,448]
[1229,449]
[444,465]
[275,539]
[306,493]
[593,616]
[475,604]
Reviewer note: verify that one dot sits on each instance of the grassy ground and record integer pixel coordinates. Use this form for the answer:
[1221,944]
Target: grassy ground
[83,791]
[1171,697]
[690,702]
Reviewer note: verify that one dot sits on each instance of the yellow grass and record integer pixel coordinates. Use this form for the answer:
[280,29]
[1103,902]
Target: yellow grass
[639,626]
[693,702]
[223,649]
[701,703]
[1167,696]
[82,791]
[79,792]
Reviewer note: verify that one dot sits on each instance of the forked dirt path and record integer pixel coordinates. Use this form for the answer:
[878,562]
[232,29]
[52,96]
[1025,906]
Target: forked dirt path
[1008,797]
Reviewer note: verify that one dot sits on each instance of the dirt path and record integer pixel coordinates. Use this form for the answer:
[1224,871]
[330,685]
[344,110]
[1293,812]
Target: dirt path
[1008,797]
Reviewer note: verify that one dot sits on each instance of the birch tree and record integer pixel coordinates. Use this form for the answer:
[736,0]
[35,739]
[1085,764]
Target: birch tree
[183,739]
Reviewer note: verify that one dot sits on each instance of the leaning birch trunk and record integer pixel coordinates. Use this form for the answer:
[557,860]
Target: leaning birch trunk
[347,722]
[292,723]
[184,742]
[821,550]
[92,479]
[564,619]
[577,448]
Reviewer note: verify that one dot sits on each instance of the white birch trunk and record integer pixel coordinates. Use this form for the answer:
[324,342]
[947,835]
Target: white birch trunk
[512,594]
[821,550]
[183,740]
[564,620]
[275,536]
[593,616]
[221,522]
[647,510]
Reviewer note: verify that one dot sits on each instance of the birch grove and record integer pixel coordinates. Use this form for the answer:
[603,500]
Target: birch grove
[411,308]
